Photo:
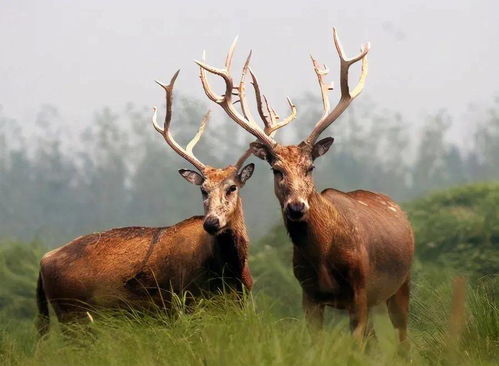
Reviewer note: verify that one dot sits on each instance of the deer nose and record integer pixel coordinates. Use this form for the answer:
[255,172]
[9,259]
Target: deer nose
[295,210]
[211,224]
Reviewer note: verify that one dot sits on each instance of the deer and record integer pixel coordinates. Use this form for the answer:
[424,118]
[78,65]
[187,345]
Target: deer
[139,266]
[351,250]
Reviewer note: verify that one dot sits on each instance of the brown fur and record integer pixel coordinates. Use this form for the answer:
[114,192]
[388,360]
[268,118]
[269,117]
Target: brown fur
[351,250]
[133,265]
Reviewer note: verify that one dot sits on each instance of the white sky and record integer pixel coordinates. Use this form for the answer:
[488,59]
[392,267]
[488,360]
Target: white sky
[80,56]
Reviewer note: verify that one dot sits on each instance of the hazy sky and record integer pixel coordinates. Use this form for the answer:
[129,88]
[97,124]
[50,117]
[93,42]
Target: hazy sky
[80,56]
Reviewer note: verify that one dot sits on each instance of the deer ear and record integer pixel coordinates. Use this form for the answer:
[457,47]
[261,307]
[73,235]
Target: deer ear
[191,176]
[246,173]
[260,150]
[322,147]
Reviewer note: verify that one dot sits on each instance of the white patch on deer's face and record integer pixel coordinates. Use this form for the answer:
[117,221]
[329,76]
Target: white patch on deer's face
[220,192]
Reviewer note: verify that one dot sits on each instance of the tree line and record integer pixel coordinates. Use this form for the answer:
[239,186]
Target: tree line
[59,181]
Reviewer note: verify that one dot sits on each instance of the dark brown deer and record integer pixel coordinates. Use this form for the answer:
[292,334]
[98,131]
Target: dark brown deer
[134,265]
[352,250]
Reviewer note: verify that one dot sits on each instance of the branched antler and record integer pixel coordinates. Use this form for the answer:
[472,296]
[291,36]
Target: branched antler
[186,153]
[271,118]
[346,96]
[245,120]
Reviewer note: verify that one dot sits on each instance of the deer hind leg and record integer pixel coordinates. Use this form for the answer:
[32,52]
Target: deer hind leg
[398,309]
[314,313]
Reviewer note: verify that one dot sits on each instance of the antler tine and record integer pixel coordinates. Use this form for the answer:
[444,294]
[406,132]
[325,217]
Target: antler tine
[243,158]
[198,134]
[347,62]
[225,101]
[270,114]
[258,95]
[341,53]
[244,108]
[346,96]
[204,80]
[187,153]
[325,88]
[285,121]
[363,72]
[228,60]
[270,120]
[242,90]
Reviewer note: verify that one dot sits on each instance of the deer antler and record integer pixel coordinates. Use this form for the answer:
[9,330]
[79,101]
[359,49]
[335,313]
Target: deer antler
[243,158]
[271,118]
[346,96]
[245,120]
[186,153]
[325,88]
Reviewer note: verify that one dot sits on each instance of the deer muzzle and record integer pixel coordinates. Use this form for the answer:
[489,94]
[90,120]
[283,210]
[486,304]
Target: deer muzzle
[296,210]
[211,224]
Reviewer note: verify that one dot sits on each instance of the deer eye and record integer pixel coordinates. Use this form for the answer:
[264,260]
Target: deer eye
[231,189]
[277,173]
[204,194]
[310,169]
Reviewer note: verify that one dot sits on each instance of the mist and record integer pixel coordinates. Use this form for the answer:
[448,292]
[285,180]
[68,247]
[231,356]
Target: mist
[77,87]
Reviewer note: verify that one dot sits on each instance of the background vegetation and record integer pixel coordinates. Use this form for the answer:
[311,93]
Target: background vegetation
[456,233]
[66,172]
[56,183]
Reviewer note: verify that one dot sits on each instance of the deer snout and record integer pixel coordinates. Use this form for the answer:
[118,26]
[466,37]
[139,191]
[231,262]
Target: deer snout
[295,210]
[211,224]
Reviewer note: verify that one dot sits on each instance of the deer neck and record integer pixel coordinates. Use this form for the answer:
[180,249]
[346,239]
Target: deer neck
[237,226]
[231,245]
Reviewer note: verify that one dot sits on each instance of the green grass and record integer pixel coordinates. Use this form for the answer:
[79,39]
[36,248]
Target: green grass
[263,332]
[269,329]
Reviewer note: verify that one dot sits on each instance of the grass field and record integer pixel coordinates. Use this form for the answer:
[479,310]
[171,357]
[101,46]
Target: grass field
[269,329]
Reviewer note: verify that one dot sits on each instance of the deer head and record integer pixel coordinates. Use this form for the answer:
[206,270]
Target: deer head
[292,165]
[219,187]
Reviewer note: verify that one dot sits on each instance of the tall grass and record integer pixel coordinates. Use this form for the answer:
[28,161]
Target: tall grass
[261,332]
[269,328]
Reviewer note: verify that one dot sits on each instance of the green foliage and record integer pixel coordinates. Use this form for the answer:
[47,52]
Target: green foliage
[18,274]
[220,332]
[460,227]
[55,185]
[269,329]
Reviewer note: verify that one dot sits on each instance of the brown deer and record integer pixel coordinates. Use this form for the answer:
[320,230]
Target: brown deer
[133,265]
[352,250]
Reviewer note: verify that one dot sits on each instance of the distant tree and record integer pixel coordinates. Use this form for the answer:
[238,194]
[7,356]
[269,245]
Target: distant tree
[429,170]
[108,171]
[119,171]
[487,143]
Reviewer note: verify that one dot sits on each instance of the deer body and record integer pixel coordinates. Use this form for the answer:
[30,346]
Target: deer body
[356,230]
[351,250]
[134,265]
[354,249]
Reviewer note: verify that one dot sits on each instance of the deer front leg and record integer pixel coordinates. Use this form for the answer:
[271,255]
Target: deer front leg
[358,309]
[358,316]
[314,313]
[246,277]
